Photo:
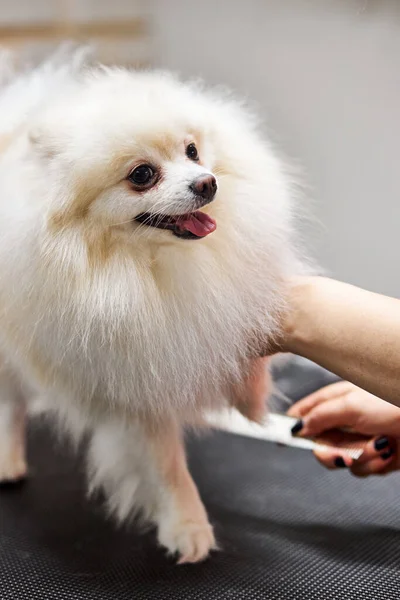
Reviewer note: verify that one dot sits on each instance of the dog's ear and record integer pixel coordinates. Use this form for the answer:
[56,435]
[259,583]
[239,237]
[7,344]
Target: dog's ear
[43,142]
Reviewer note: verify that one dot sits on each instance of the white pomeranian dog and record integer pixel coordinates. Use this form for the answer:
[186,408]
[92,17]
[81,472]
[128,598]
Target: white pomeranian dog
[146,237]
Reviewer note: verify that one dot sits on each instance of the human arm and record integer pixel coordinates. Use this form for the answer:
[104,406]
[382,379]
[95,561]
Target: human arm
[349,331]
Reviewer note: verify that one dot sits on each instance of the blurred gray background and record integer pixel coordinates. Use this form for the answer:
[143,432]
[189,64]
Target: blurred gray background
[325,74]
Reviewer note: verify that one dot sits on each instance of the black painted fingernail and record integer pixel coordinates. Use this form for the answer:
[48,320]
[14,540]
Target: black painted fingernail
[297,427]
[387,455]
[339,463]
[382,443]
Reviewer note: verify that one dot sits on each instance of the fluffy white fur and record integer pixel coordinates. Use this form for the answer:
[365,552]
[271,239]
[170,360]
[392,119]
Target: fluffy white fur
[130,333]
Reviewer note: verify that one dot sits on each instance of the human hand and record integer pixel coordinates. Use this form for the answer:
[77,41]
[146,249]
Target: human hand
[343,405]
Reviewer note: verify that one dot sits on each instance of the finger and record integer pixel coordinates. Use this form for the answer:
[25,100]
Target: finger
[303,407]
[376,466]
[333,458]
[374,449]
[328,415]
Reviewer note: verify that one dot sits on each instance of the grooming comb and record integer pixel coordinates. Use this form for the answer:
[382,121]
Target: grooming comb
[277,428]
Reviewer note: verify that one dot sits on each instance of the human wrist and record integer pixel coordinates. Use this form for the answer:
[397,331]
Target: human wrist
[395,423]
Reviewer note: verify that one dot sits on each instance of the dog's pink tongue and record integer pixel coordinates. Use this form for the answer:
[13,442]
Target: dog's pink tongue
[198,223]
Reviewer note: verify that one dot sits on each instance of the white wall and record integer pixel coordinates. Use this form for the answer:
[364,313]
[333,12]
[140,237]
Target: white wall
[117,29]
[327,75]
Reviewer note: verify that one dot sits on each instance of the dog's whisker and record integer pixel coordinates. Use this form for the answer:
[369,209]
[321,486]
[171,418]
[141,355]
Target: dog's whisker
[121,223]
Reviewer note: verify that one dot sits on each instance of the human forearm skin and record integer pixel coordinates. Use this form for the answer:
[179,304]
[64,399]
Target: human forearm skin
[349,331]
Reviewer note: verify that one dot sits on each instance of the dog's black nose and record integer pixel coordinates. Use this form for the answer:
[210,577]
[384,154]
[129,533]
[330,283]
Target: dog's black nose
[204,186]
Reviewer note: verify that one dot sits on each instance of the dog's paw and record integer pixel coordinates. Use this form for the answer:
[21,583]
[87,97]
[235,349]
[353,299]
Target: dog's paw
[12,470]
[192,541]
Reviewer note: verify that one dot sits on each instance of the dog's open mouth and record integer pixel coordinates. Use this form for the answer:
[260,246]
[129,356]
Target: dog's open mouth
[191,226]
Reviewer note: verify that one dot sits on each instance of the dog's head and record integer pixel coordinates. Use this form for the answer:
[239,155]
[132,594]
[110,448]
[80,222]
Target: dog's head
[131,155]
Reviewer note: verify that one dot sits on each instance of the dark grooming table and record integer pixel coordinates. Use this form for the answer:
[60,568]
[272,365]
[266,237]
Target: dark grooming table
[289,529]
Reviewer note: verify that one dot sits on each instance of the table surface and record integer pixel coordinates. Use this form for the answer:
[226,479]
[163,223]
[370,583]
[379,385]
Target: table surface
[288,530]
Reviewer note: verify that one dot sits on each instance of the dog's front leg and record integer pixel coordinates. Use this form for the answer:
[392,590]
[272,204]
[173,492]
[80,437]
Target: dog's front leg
[13,466]
[183,526]
[250,395]
[142,470]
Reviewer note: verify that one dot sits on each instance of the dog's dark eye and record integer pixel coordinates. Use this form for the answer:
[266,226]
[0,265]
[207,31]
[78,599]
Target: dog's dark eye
[191,152]
[142,175]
